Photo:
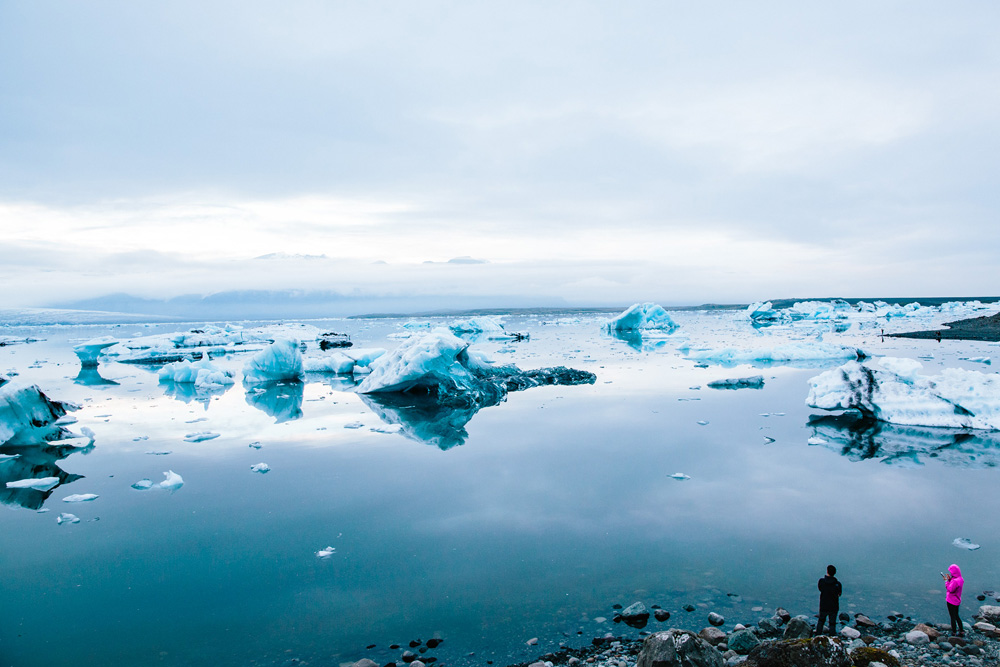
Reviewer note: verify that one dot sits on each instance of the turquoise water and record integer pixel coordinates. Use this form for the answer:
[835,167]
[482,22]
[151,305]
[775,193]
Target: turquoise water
[537,516]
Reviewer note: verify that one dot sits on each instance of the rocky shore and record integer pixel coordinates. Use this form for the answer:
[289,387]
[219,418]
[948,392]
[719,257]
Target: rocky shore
[783,640]
[985,328]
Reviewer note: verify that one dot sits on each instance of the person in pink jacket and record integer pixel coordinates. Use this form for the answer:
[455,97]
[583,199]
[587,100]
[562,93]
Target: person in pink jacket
[953,583]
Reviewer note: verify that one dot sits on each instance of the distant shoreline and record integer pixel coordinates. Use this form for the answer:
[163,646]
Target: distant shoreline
[985,328]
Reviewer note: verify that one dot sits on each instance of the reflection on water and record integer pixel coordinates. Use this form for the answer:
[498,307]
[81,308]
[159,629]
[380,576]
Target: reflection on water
[89,376]
[187,392]
[281,400]
[33,462]
[640,341]
[423,418]
[860,438]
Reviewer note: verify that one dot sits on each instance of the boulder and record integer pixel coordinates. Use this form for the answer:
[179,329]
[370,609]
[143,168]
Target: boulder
[661,615]
[635,615]
[917,638]
[742,641]
[816,652]
[677,648]
[987,629]
[713,636]
[850,633]
[931,633]
[365,662]
[989,613]
[716,619]
[862,621]
[783,614]
[798,628]
[872,657]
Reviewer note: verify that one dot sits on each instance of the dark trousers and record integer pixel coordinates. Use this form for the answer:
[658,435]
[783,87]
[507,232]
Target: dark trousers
[956,621]
[825,614]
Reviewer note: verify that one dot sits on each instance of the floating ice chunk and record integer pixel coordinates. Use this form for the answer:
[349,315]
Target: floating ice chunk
[980,360]
[903,367]
[80,498]
[475,325]
[354,425]
[679,476]
[282,360]
[804,351]
[957,398]
[642,316]
[255,445]
[164,452]
[325,553]
[7,457]
[201,436]
[365,356]
[260,467]
[202,374]
[90,351]
[172,481]
[142,485]
[338,362]
[66,517]
[388,428]
[38,484]
[753,382]
[414,324]
[816,440]
[702,422]
[965,543]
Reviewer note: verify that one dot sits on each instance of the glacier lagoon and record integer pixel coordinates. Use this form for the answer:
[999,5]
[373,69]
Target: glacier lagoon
[485,528]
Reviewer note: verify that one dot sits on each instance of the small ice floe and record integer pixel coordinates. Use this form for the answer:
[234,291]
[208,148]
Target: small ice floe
[88,432]
[80,498]
[325,553]
[66,420]
[201,436]
[140,438]
[255,445]
[816,440]
[979,360]
[7,457]
[142,484]
[172,481]
[752,382]
[38,484]
[702,422]
[196,421]
[389,428]
[680,477]
[354,425]
[965,543]
[65,517]
[260,467]
[768,440]
[154,452]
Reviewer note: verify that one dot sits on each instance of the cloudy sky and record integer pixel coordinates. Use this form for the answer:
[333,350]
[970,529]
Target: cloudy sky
[586,152]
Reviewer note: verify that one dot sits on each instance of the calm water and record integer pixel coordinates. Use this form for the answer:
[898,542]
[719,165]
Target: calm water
[537,516]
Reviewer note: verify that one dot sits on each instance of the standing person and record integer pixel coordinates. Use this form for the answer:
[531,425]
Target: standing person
[953,583]
[829,600]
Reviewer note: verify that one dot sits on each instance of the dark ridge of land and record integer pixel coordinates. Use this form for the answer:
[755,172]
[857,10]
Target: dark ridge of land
[985,328]
[900,301]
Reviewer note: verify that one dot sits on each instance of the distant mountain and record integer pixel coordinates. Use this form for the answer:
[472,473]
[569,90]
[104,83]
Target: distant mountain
[294,304]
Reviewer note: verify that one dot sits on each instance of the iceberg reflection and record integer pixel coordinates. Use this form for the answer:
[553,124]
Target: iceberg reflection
[89,376]
[860,438]
[33,462]
[281,400]
[423,418]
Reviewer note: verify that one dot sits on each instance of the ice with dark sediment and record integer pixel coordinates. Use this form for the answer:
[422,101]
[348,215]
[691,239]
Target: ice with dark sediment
[441,365]
[752,382]
[893,390]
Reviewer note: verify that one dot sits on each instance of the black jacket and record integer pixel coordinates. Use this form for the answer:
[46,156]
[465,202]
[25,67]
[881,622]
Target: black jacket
[829,593]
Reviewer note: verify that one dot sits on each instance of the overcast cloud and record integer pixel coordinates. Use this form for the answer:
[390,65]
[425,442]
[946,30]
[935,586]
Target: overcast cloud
[595,153]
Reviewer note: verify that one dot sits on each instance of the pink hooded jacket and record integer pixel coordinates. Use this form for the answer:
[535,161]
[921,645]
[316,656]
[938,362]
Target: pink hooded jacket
[954,586]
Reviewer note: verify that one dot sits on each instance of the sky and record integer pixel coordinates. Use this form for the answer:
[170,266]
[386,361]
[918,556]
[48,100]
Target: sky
[586,153]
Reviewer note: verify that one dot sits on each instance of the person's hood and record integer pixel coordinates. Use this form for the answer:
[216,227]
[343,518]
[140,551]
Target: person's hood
[953,569]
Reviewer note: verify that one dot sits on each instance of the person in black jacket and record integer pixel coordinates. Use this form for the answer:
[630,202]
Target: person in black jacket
[829,600]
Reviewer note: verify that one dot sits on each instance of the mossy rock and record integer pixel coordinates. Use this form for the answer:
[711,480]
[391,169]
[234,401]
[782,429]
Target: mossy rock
[864,656]
[816,652]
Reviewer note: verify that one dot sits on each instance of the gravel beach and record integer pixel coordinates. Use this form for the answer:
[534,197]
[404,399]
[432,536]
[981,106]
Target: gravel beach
[986,328]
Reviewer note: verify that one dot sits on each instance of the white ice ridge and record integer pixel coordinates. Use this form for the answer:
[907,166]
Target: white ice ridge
[282,360]
[642,316]
[896,393]
[202,373]
[25,413]
[80,498]
[343,362]
[90,351]
[803,351]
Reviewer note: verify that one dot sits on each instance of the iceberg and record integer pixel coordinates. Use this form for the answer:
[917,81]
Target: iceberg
[90,351]
[66,517]
[477,325]
[28,416]
[325,553]
[202,374]
[282,360]
[260,467]
[965,543]
[440,364]
[642,317]
[896,393]
[343,362]
[791,352]
[332,339]
[680,477]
